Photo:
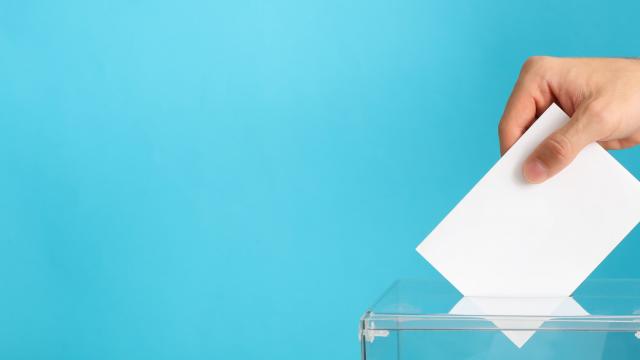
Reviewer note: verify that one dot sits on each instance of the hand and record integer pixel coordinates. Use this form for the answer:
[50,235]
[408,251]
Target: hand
[602,96]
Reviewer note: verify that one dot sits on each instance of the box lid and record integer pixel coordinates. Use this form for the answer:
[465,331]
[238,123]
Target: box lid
[597,305]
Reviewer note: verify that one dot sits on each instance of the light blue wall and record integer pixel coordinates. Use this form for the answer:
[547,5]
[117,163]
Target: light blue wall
[239,180]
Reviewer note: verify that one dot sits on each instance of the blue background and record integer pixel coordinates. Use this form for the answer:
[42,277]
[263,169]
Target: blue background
[211,180]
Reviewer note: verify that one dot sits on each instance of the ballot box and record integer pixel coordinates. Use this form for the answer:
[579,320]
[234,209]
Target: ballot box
[420,319]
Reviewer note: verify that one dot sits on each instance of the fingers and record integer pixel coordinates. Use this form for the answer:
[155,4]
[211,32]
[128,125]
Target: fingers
[530,96]
[519,113]
[561,147]
[618,144]
[612,144]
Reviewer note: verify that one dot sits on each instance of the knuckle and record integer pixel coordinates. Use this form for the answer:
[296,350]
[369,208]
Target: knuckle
[597,111]
[534,63]
[559,147]
[601,115]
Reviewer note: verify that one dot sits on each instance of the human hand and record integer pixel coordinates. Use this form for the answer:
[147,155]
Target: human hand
[601,95]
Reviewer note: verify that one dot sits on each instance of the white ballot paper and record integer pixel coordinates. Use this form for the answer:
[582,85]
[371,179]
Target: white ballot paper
[508,238]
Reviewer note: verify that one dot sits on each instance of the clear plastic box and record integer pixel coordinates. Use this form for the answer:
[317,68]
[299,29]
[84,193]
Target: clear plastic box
[413,319]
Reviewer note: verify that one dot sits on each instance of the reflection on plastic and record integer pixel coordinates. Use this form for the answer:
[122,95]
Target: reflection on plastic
[511,308]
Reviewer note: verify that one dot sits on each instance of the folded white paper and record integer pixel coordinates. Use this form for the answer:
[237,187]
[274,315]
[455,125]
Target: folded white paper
[510,238]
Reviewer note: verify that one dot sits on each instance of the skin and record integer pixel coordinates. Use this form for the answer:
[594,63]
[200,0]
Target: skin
[601,95]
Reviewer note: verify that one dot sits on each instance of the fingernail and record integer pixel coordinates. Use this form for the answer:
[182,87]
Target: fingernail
[535,171]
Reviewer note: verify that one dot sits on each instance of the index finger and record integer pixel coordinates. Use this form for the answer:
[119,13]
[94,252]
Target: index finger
[530,96]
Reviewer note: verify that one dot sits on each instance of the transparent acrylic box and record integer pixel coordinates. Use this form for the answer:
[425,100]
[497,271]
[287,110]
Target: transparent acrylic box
[413,319]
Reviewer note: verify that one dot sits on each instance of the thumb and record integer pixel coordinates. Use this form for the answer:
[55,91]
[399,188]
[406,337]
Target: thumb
[560,148]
